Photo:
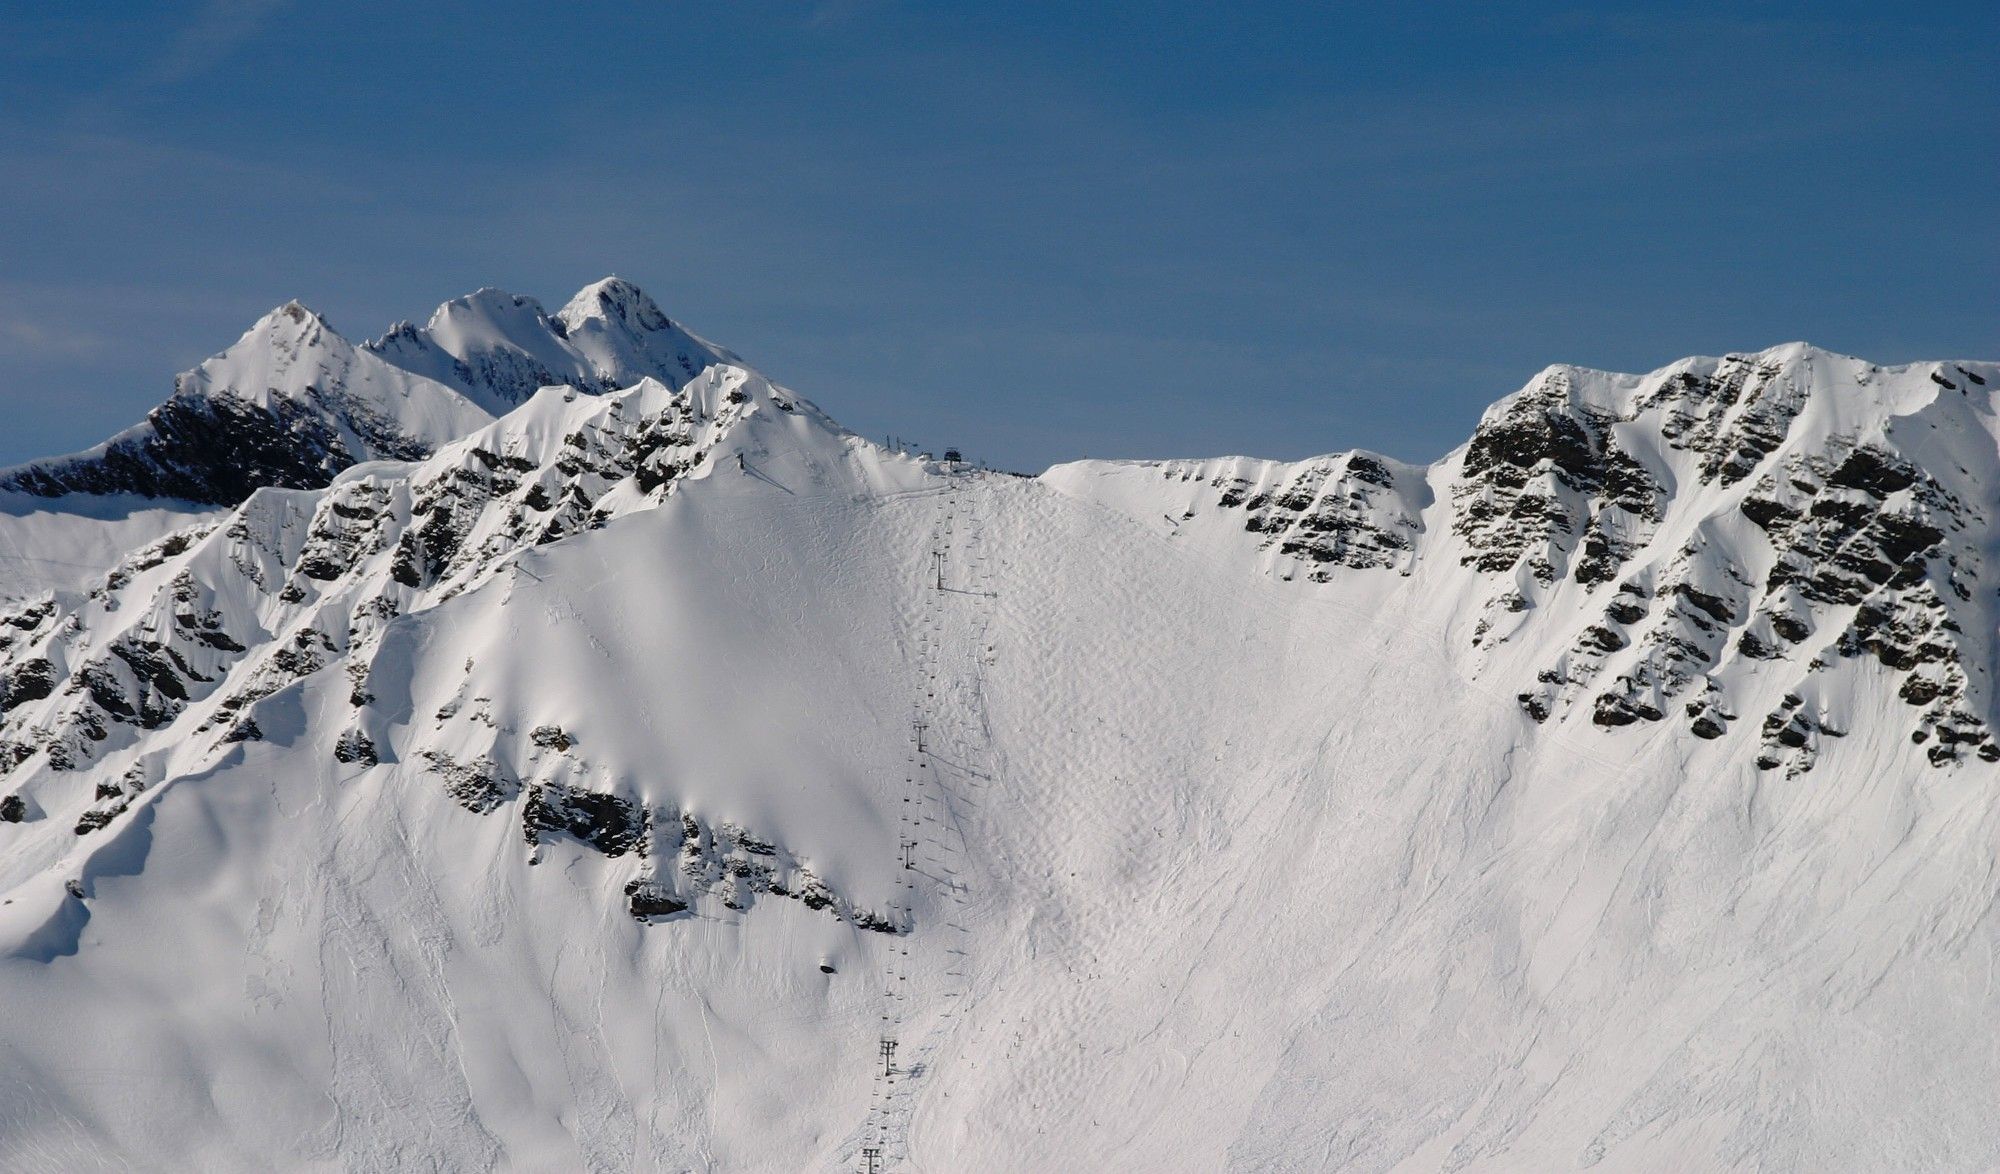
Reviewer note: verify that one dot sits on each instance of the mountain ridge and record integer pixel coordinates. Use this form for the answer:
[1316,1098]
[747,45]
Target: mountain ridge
[293,401]
[555,797]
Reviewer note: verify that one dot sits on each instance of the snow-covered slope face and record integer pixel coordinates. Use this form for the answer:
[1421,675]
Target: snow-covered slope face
[1762,544]
[605,789]
[62,545]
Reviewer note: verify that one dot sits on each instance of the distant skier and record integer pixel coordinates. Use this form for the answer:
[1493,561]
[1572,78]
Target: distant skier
[740,466]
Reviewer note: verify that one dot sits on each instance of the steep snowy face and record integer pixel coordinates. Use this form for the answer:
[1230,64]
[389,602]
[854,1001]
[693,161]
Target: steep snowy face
[498,348]
[495,347]
[60,545]
[1748,543]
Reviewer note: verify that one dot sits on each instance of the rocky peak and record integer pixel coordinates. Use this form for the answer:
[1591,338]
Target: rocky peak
[293,312]
[617,330]
[1546,477]
[1775,523]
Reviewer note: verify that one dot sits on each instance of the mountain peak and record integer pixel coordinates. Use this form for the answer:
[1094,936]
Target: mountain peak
[292,402]
[613,298]
[288,404]
[294,319]
[498,348]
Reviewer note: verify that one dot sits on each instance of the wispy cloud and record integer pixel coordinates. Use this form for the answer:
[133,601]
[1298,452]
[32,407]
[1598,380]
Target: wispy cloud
[217,30]
[46,340]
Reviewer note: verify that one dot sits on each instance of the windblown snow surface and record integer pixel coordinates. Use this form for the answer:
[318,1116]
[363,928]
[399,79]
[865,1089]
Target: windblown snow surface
[603,790]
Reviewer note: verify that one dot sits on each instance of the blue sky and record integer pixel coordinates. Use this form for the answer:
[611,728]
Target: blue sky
[1036,231]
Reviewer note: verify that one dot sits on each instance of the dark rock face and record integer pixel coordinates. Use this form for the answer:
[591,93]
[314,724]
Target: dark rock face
[97,817]
[143,678]
[1339,512]
[683,858]
[1545,478]
[478,785]
[1869,555]
[550,737]
[13,809]
[1352,510]
[519,502]
[1707,720]
[1873,532]
[112,799]
[355,746]
[1732,417]
[31,680]
[217,450]
[647,899]
[605,822]
[1791,736]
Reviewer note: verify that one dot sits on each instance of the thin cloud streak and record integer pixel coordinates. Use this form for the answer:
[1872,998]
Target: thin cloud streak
[218,30]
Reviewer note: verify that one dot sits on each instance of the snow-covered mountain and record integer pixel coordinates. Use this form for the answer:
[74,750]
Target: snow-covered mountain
[1761,537]
[293,402]
[497,349]
[669,779]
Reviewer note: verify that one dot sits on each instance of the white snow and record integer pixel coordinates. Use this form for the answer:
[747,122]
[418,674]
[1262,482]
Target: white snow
[62,544]
[1216,866]
[498,347]
[292,354]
